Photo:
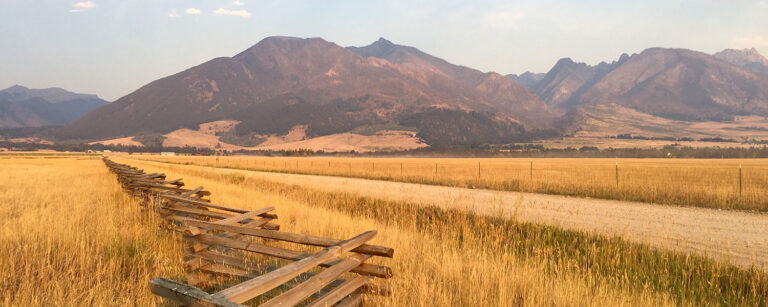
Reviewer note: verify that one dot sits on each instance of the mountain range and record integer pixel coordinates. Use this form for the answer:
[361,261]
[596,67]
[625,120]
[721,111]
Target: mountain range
[23,107]
[286,92]
[282,84]
[663,84]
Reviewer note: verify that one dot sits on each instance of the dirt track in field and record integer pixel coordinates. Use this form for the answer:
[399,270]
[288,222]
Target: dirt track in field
[737,237]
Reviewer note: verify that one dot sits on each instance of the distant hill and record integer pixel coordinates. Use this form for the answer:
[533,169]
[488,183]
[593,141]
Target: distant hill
[667,84]
[745,58]
[23,107]
[285,84]
[682,84]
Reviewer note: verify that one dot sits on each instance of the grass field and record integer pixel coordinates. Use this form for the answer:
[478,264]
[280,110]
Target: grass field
[450,257]
[71,236]
[717,183]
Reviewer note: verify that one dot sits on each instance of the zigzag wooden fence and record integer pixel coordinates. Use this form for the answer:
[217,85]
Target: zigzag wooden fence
[227,245]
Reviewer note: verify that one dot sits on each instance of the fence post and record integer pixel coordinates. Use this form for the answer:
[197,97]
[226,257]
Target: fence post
[478,170]
[401,169]
[435,170]
[617,172]
[531,169]
[740,186]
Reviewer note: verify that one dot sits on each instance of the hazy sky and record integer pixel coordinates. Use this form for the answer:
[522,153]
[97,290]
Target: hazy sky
[112,47]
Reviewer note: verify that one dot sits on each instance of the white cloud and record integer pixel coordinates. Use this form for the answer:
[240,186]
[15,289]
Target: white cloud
[192,11]
[239,13]
[173,14]
[82,6]
[238,3]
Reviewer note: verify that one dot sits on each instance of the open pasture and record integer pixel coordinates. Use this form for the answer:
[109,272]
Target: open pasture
[709,183]
[71,236]
[466,259]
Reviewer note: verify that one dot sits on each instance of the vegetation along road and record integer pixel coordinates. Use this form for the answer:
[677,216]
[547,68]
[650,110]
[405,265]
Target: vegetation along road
[737,237]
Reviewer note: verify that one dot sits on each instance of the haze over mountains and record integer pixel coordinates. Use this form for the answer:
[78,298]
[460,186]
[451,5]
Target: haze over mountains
[286,89]
[23,107]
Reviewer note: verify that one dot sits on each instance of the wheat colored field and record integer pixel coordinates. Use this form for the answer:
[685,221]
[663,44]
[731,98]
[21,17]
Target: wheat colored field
[71,236]
[709,183]
[731,236]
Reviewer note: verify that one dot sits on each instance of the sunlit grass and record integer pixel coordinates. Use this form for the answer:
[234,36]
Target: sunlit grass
[683,182]
[70,236]
[450,257]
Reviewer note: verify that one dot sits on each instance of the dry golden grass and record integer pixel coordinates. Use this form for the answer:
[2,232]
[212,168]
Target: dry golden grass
[429,271]
[686,182]
[449,257]
[70,236]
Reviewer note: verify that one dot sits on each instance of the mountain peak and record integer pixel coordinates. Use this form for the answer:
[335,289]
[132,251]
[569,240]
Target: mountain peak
[381,48]
[16,88]
[285,43]
[407,55]
[383,42]
[741,55]
[569,64]
[284,39]
[749,59]
[623,58]
[564,61]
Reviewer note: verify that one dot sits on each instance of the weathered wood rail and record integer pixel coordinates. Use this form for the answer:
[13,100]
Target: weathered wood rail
[236,250]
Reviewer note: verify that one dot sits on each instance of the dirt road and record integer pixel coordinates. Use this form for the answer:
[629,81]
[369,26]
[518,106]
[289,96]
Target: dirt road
[737,237]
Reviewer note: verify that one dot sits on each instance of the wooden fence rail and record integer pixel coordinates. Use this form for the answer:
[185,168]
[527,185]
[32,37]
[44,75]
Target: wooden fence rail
[230,249]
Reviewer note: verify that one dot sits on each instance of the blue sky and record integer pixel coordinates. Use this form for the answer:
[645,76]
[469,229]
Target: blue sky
[112,47]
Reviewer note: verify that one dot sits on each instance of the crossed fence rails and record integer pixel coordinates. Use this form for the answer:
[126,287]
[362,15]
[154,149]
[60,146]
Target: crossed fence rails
[225,244]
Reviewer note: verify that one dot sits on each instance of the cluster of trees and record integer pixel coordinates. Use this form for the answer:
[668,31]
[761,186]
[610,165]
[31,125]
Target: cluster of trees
[82,147]
[628,136]
[538,151]
[508,150]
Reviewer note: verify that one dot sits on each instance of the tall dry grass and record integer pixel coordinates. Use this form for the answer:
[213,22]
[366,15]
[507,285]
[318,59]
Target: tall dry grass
[710,183]
[448,257]
[70,236]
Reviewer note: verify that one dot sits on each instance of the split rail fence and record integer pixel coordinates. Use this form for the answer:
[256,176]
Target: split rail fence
[227,245]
